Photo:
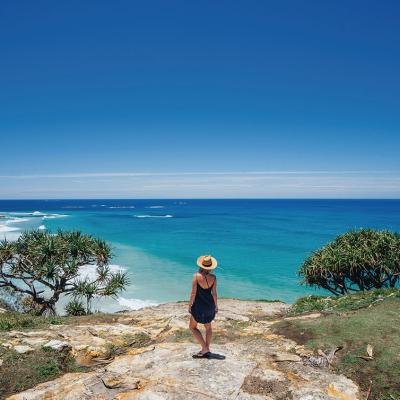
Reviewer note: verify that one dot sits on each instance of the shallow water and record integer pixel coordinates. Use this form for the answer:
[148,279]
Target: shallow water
[259,244]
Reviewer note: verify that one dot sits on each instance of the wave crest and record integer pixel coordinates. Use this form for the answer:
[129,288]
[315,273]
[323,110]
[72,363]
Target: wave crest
[53,216]
[153,216]
[4,228]
[135,304]
[17,220]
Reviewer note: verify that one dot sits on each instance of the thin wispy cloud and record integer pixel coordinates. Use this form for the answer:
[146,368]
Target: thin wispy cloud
[215,184]
[187,173]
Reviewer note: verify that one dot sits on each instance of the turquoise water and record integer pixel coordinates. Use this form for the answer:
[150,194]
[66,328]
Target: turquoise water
[259,244]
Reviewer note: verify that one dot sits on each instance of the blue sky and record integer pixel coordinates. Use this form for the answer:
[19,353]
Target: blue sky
[199,99]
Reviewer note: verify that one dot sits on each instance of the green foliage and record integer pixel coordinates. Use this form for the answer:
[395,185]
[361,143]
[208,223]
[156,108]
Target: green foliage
[377,324]
[42,266]
[14,320]
[356,261]
[23,371]
[342,303]
[75,308]
[47,370]
[391,396]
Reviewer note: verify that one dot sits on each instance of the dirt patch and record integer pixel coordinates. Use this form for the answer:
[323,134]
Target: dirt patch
[256,385]
[178,336]
[264,317]
[287,329]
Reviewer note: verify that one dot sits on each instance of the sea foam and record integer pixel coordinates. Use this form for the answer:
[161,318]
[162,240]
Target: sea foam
[135,304]
[53,216]
[4,228]
[37,214]
[154,216]
[17,220]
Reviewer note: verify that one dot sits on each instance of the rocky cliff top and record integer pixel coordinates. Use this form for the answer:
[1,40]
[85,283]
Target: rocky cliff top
[147,355]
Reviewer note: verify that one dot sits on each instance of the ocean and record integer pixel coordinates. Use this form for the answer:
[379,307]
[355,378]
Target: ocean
[259,244]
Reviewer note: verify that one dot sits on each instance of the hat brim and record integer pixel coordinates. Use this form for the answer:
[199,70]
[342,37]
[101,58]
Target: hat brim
[208,268]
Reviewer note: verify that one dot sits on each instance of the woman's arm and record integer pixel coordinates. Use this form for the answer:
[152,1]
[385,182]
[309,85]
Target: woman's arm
[214,293]
[193,293]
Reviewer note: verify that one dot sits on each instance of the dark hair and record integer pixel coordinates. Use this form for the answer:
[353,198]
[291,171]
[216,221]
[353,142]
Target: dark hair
[203,271]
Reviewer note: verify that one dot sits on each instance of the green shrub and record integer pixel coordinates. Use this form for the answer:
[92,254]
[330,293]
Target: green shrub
[356,261]
[75,308]
[41,267]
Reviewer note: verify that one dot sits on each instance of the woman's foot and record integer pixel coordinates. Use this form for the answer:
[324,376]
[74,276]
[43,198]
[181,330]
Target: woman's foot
[201,354]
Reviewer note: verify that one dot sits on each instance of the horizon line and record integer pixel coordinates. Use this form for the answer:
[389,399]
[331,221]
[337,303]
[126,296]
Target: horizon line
[204,198]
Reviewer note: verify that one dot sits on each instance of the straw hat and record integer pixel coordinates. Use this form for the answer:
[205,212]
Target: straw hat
[207,262]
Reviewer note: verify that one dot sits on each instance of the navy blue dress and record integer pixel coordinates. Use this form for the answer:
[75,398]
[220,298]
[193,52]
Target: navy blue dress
[203,308]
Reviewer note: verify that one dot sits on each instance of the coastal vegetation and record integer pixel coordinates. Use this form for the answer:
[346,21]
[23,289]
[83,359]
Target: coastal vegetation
[27,370]
[359,260]
[40,267]
[352,323]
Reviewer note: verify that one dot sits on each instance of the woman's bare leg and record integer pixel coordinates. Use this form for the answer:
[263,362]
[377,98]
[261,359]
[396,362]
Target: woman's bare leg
[197,334]
[208,335]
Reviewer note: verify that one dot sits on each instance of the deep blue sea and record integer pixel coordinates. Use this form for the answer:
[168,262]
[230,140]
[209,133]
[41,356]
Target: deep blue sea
[259,244]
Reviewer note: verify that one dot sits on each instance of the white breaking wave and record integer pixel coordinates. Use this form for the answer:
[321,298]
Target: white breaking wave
[4,228]
[17,220]
[42,227]
[121,207]
[135,304]
[23,213]
[154,216]
[35,214]
[53,216]
[156,207]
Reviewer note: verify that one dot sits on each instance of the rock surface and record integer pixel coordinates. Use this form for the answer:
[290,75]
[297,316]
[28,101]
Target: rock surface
[21,349]
[152,359]
[57,345]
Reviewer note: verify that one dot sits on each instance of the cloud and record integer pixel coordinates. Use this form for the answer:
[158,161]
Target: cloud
[186,173]
[214,184]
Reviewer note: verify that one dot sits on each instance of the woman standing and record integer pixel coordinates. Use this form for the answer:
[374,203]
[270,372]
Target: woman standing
[203,303]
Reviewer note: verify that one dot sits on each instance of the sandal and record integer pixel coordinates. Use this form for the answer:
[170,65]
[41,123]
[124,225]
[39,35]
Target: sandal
[201,355]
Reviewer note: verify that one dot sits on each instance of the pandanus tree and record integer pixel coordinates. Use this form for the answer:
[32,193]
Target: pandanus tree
[356,261]
[42,267]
